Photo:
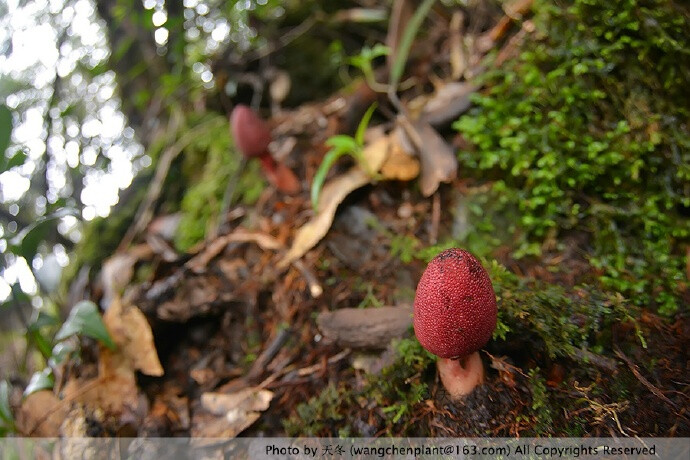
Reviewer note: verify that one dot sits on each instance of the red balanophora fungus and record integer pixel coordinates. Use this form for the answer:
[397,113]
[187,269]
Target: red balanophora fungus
[252,136]
[454,316]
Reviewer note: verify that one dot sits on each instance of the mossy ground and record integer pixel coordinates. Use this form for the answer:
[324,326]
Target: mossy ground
[573,190]
[582,146]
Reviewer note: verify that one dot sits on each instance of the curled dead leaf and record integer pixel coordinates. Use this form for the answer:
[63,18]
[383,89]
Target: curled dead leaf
[333,193]
[132,334]
[41,414]
[439,163]
[399,165]
[227,415]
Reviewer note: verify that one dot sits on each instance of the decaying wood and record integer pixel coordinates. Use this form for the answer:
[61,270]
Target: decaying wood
[365,328]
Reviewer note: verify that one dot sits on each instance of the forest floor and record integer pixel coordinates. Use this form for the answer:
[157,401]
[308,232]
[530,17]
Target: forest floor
[240,327]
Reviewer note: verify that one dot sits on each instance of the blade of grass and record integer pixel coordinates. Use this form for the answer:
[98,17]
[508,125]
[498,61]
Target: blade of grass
[363,124]
[406,42]
[320,176]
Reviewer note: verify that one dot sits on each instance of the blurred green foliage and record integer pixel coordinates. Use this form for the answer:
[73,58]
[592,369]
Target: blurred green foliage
[587,130]
[209,162]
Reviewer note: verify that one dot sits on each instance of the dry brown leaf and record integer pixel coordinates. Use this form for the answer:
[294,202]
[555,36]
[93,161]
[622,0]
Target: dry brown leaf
[448,102]
[439,163]
[116,273]
[248,399]
[333,193]
[200,261]
[399,165]
[114,390]
[230,414]
[376,152]
[132,334]
[118,269]
[41,414]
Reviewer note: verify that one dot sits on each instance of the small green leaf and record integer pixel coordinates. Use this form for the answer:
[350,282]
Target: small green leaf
[406,42]
[17,159]
[362,127]
[61,351]
[342,142]
[320,176]
[43,320]
[84,319]
[42,380]
[6,417]
[42,343]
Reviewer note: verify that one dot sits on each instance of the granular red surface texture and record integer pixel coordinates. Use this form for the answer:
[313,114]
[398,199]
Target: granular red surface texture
[455,305]
[250,133]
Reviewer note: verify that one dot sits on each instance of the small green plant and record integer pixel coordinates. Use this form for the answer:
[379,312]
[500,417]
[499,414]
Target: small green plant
[340,145]
[364,60]
[541,408]
[370,300]
[84,320]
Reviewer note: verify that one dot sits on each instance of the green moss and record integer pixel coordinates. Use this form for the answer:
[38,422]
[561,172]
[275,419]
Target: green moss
[587,130]
[541,406]
[209,163]
[395,393]
[316,415]
[553,319]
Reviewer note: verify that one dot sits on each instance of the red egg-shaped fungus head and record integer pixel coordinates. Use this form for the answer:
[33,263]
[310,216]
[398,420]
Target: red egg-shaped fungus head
[455,305]
[250,133]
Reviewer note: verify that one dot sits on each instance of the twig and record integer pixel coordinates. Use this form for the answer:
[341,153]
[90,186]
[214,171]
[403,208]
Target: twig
[268,354]
[315,288]
[600,361]
[288,38]
[435,217]
[642,379]
[333,359]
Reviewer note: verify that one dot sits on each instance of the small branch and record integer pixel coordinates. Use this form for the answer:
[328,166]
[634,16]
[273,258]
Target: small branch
[365,328]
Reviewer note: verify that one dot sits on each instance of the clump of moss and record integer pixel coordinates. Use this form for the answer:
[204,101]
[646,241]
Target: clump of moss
[587,129]
[563,321]
[394,394]
[320,414]
[209,163]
